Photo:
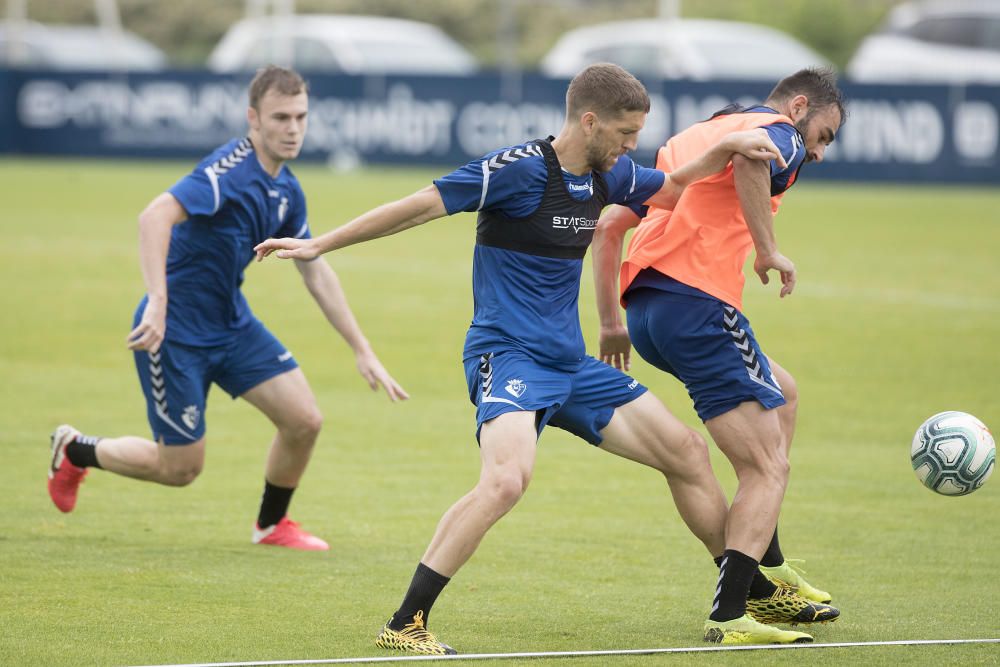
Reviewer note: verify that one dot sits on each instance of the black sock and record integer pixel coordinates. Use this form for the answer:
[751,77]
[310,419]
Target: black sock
[760,586]
[773,556]
[273,505]
[424,589]
[736,573]
[82,452]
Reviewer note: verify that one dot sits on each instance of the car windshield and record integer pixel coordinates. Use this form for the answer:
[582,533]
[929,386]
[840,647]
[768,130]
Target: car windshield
[393,55]
[637,58]
[744,58]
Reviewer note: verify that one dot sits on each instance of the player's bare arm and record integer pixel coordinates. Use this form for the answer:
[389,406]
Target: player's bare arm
[324,286]
[155,223]
[753,144]
[609,237]
[416,209]
[752,179]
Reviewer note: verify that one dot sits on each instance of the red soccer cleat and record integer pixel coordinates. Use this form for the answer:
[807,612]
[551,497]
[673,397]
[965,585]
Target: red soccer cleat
[64,477]
[286,533]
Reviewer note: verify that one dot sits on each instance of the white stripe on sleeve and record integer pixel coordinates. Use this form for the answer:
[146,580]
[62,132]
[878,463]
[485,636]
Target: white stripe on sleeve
[213,178]
[486,184]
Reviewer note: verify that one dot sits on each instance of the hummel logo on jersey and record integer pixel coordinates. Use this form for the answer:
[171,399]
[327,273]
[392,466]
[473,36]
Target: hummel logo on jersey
[282,209]
[515,388]
[580,187]
[576,224]
[285,356]
[633,384]
[190,416]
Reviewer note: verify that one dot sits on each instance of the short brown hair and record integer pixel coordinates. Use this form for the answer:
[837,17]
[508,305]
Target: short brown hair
[605,89]
[285,81]
[819,84]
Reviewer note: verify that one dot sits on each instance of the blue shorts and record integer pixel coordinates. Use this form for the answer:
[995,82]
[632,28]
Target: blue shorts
[580,401]
[707,344]
[177,378]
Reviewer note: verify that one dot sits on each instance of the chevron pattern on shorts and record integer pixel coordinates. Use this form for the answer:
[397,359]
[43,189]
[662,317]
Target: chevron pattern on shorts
[156,379]
[730,322]
[486,373]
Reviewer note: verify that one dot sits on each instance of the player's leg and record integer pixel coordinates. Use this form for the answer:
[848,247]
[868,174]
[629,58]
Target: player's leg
[258,368]
[507,458]
[709,346]
[644,431]
[173,383]
[514,398]
[773,562]
[288,402]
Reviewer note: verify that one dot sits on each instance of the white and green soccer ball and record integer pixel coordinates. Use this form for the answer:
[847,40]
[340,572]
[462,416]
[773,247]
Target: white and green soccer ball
[953,453]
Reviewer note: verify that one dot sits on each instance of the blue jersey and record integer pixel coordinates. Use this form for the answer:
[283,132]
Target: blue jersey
[232,205]
[792,147]
[526,293]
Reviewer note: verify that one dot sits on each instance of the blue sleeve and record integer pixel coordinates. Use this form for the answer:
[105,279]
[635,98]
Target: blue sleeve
[511,181]
[631,185]
[789,142]
[203,191]
[296,223]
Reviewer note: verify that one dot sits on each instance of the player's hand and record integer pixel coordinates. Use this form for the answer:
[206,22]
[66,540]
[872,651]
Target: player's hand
[782,265]
[374,373]
[756,144]
[148,335]
[288,248]
[615,347]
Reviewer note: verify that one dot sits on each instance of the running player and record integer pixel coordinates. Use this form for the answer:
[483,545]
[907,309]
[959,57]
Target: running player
[525,362]
[681,285]
[195,241]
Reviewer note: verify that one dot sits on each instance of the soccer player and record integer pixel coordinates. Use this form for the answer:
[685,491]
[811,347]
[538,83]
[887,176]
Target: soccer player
[681,285]
[194,327]
[524,355]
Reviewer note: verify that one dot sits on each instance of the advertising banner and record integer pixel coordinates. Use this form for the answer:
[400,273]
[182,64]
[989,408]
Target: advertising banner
[893,133]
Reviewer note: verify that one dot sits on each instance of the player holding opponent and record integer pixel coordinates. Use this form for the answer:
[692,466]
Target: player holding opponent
[524,355]
[682,283]
[194,242]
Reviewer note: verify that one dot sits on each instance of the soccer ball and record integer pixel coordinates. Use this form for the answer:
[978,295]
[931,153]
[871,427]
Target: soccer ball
[953,453]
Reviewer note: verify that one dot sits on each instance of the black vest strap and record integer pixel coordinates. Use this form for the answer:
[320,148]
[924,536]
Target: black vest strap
[561,227]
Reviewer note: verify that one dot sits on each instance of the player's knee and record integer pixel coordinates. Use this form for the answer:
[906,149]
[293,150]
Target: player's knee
[181,475]
[505,487]
[769,464]
[312,423]
[305,428]
[686,456]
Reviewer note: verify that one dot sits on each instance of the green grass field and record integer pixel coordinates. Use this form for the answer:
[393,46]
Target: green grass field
[896,317]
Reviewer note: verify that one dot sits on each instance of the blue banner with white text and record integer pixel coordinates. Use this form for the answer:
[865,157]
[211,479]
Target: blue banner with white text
[894,133]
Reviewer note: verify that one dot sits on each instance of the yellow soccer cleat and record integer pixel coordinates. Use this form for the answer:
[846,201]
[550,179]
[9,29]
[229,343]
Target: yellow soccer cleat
[787,606]
[790,576]
[414,637]
[745,630]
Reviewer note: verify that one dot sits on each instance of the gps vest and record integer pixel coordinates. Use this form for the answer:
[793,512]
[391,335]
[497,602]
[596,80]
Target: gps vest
[704,242]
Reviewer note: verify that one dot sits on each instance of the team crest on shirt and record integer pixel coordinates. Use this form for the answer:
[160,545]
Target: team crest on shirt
[191,416]
[282,209]
[515,388]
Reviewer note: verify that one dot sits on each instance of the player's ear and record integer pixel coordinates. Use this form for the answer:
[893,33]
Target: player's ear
[799,106]
[588,121]
[253,119]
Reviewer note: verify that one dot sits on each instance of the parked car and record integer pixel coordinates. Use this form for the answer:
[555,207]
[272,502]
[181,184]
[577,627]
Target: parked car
[698,49]
[953,41]
[340,43]
[75,47]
